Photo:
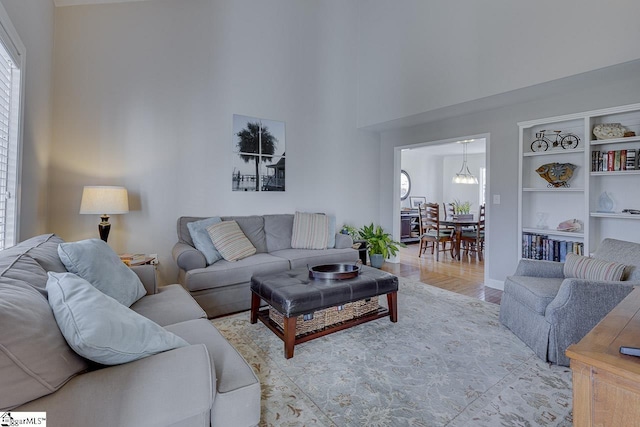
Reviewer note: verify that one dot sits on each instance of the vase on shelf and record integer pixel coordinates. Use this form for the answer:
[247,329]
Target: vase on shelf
[542,220]
[605,203]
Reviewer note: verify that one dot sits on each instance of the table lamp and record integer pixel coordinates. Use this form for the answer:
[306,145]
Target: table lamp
[104,201]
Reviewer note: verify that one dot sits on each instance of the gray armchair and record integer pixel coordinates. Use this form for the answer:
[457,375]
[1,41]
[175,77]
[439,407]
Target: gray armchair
[549,312]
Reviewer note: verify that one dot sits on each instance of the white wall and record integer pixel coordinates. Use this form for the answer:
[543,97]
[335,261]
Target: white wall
[144,97]
[426,175]
[145,92]
[417,56]
[34,22]
[431,176]
[616,85]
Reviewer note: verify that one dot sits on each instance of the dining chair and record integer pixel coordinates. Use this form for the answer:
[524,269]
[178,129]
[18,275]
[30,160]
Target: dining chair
[449,211]
[431,232]
[474,239]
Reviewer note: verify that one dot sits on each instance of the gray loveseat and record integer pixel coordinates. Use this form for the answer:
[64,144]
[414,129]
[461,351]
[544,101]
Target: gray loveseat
[224,287]
[203,383]
[550,312]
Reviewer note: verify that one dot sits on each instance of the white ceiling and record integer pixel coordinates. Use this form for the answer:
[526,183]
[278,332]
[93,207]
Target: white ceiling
[60,3]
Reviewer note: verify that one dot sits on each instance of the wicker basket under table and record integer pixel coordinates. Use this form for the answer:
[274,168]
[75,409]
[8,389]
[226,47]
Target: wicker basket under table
[320,319]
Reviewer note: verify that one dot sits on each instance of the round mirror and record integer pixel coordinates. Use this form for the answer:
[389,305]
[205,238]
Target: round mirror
[405,185]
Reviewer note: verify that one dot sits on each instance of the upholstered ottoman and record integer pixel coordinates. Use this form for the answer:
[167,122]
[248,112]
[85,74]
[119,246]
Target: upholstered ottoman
[293,293]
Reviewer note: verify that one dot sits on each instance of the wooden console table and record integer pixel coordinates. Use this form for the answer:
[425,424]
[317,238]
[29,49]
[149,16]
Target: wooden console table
[606,384]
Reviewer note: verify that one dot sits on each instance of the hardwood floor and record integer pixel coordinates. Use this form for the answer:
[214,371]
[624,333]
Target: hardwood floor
[464,277]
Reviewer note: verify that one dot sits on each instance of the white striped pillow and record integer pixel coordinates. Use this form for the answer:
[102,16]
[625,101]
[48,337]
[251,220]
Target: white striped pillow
[230,241]
[310,231]
[592,268]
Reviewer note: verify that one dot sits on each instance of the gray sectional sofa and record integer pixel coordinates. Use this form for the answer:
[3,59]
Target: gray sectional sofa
[204,382]
[223,287]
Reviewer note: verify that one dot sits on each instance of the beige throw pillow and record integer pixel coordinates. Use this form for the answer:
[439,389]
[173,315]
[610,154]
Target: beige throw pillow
[310,231]
[592,268]
[230,241]
[35,359]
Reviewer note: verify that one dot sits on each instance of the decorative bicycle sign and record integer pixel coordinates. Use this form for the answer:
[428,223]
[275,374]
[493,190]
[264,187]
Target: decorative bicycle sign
[564,140]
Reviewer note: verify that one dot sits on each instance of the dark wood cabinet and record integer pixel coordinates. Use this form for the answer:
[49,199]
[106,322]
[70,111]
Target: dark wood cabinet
[409,227]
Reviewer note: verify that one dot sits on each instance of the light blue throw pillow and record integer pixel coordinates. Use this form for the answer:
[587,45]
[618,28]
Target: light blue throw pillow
[99,328]
[98,264]
[202,240]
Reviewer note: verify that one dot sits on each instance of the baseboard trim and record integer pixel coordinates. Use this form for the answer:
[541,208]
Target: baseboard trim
[496,284]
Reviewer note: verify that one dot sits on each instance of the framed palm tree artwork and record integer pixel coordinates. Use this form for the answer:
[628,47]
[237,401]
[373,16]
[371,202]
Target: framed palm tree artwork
[259,154]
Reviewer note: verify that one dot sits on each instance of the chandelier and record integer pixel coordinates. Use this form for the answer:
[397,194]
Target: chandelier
[465,176]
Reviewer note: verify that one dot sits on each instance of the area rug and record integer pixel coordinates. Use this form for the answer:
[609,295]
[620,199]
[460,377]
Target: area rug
[447,362]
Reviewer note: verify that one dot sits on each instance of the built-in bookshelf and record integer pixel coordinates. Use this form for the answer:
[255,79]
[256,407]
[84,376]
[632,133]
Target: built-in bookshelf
[605,169]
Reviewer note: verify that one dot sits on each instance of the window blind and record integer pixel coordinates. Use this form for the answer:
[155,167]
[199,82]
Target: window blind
[7,152]
[6,71]
[12,60]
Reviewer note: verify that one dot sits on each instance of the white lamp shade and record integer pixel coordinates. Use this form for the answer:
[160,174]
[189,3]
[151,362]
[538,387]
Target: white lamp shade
[104,200]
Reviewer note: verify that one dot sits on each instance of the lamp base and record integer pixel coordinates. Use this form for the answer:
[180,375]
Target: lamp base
[104,227]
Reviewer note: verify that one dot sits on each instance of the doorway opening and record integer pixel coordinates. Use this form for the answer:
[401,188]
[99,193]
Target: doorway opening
[431,167]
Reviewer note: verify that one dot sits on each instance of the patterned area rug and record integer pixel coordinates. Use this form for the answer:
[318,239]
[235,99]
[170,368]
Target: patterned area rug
[447,362]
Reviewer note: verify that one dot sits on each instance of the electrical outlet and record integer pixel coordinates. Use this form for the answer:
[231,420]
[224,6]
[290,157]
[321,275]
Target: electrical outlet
[496,199]
[155,259]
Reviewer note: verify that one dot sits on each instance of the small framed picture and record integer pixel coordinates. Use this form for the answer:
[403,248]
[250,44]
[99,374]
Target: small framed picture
[415,201]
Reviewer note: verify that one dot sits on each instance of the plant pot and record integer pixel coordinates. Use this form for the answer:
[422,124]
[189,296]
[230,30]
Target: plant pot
[376,260]
[463,217]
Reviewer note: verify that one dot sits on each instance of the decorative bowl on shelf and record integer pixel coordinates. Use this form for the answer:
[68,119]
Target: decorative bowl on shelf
[556,174]
[608,131]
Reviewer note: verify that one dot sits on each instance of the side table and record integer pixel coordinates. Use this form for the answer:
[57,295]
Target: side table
[606,384]
[361,247]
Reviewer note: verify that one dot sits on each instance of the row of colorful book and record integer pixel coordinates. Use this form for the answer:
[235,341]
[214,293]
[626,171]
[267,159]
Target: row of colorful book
[614,160]
[540,246]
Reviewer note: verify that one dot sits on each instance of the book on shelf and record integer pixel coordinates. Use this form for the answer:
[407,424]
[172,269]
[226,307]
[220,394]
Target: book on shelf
[541,247]
[614,160]
[632,159]
[610,160]
[598,161]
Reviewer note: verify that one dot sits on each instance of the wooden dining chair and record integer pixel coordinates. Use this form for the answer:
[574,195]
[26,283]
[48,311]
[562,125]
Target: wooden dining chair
[474,239]
[430,230]
[449,211]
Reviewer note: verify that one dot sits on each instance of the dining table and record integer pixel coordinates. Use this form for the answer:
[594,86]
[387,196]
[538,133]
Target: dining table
[458,225]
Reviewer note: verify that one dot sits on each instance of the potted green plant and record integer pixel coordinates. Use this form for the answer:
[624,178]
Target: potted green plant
[351,231]
[379,243]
